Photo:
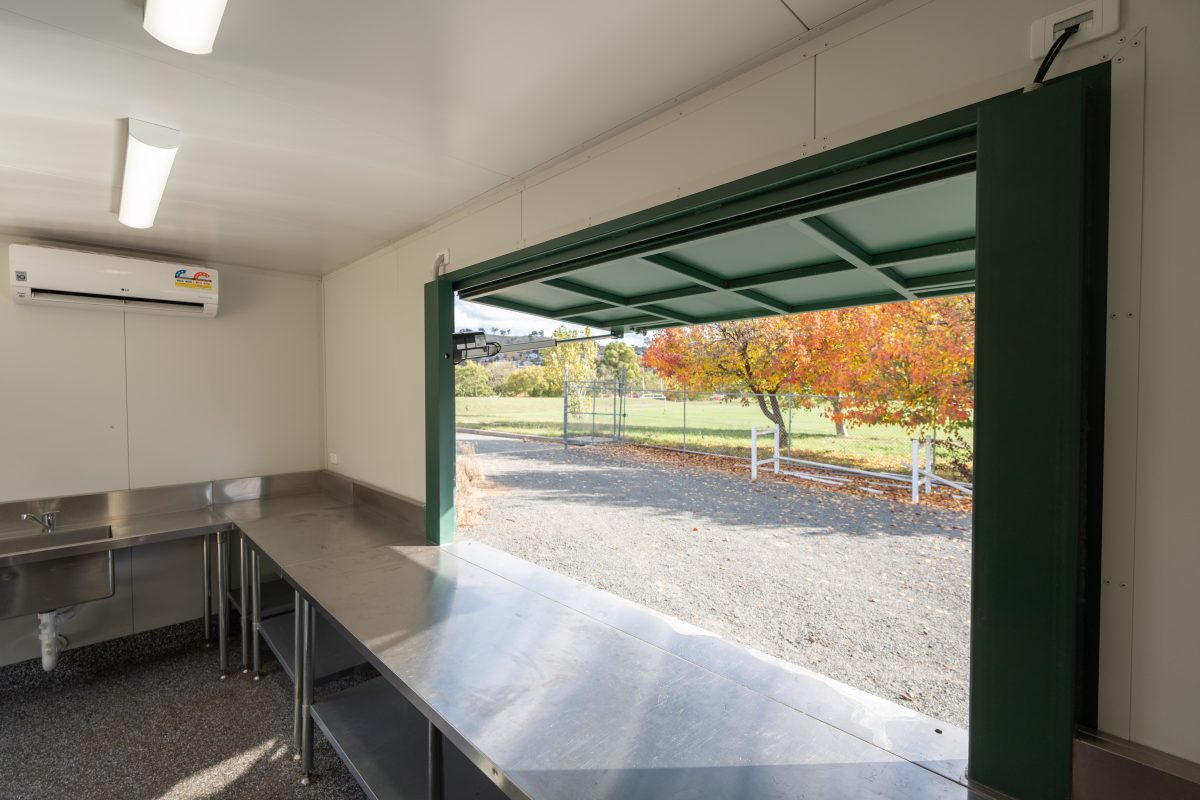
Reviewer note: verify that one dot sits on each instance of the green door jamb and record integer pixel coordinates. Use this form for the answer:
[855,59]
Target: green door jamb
[1041,261]
[439,412]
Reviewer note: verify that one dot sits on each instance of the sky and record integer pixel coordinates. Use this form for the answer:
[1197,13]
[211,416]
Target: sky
[477,316]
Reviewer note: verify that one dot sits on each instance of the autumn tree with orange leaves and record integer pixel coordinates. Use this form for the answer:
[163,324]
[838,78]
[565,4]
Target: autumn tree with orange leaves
[757,356]
[908,364]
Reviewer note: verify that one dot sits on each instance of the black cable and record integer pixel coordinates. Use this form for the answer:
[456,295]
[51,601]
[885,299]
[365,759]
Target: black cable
[1053,52]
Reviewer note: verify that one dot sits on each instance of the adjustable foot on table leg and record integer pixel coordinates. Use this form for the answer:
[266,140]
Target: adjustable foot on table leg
[222,676]
[305,781]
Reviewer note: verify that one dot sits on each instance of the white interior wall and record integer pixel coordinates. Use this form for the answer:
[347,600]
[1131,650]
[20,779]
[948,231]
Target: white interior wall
[233,396]
[368,395]
[62,400]
[96,400]
[903,62]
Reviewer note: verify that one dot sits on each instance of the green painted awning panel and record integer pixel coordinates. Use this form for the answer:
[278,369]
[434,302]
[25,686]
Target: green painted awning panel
[630,274]
[761,248]
[939,212]
[914,242]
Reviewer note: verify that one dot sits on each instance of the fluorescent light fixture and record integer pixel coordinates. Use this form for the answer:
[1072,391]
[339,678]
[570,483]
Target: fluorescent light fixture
[149,154]
[187,25]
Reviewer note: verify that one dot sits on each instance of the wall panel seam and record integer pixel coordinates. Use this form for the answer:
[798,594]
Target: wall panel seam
[128,421]
[1137,415]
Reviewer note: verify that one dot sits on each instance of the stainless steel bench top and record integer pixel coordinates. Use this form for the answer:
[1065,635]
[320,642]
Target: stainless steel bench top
[555,702]
[325,534]
[902,731]
[153,528]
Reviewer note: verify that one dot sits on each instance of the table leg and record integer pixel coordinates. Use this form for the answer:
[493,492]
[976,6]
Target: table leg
[298,678]
[206,617]
[437,787]
[244,577]
[306,720]
[222,602]
[256,609]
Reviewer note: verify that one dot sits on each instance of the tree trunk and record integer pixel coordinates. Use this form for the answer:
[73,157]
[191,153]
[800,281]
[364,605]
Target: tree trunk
[774,414]
[838,421]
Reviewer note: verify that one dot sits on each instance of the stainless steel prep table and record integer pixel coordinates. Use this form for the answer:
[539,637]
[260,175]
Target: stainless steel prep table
[155,528]
[273,598]
[130,532]
[324,534]
[218,521]
[902,731]
[311,533]
[321,535]
[552,702]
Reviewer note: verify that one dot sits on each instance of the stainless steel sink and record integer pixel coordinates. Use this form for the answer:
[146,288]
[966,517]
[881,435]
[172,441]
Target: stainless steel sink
[54,582]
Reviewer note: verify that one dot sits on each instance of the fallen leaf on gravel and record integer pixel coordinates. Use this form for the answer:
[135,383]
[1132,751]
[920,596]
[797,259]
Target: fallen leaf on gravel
[909,696]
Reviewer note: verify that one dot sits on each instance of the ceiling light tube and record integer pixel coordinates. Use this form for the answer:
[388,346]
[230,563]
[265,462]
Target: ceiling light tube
[187,25]
[149,154]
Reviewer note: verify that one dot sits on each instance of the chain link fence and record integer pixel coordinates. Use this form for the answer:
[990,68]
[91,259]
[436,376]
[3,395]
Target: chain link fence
[709,423]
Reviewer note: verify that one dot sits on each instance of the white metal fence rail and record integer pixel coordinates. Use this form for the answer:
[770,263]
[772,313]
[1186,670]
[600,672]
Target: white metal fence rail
[921,477]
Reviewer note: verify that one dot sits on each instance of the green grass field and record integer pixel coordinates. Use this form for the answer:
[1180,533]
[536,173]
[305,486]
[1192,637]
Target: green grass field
[712,426]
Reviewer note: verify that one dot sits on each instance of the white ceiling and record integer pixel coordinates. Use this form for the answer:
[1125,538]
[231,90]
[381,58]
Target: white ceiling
[318,130]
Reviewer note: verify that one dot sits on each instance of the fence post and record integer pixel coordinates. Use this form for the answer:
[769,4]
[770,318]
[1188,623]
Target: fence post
[776,458]
[933,456]
[622,387]
[595,391]
[916,471]
[753,454]
[614,399]
[791,404]
[685,418]
[928,465]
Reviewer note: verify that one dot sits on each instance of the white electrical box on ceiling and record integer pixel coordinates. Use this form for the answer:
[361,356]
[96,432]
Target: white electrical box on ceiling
[1095,18]
[51,276]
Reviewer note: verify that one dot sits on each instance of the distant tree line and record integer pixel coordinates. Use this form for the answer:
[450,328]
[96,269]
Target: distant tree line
[582,361]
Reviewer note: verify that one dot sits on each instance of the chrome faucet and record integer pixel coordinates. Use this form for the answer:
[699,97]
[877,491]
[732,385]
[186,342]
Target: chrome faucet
[46,520]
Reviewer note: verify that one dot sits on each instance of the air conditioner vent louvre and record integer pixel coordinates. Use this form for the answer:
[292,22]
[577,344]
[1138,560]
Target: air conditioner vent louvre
[55,293]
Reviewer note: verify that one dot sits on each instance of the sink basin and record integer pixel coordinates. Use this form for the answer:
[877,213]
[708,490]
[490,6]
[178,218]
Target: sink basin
[55,582]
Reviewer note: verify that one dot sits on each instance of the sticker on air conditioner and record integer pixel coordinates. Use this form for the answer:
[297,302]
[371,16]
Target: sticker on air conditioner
[196,280]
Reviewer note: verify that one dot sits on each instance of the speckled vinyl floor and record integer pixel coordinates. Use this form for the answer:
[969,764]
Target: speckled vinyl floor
[145,717]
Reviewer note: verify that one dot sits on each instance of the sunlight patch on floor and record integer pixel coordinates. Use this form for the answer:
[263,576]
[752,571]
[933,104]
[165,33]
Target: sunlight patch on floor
[219,777]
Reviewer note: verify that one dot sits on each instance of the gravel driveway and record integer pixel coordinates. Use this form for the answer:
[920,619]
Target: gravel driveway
[867,591]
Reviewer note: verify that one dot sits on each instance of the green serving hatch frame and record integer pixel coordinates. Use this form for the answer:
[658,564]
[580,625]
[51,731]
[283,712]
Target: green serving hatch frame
[1007,197]
[902,244]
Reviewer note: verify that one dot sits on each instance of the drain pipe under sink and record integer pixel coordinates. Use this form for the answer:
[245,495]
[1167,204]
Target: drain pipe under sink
[49,637]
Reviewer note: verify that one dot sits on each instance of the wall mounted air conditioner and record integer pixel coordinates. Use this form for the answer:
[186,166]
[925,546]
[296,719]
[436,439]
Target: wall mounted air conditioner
[50,276]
